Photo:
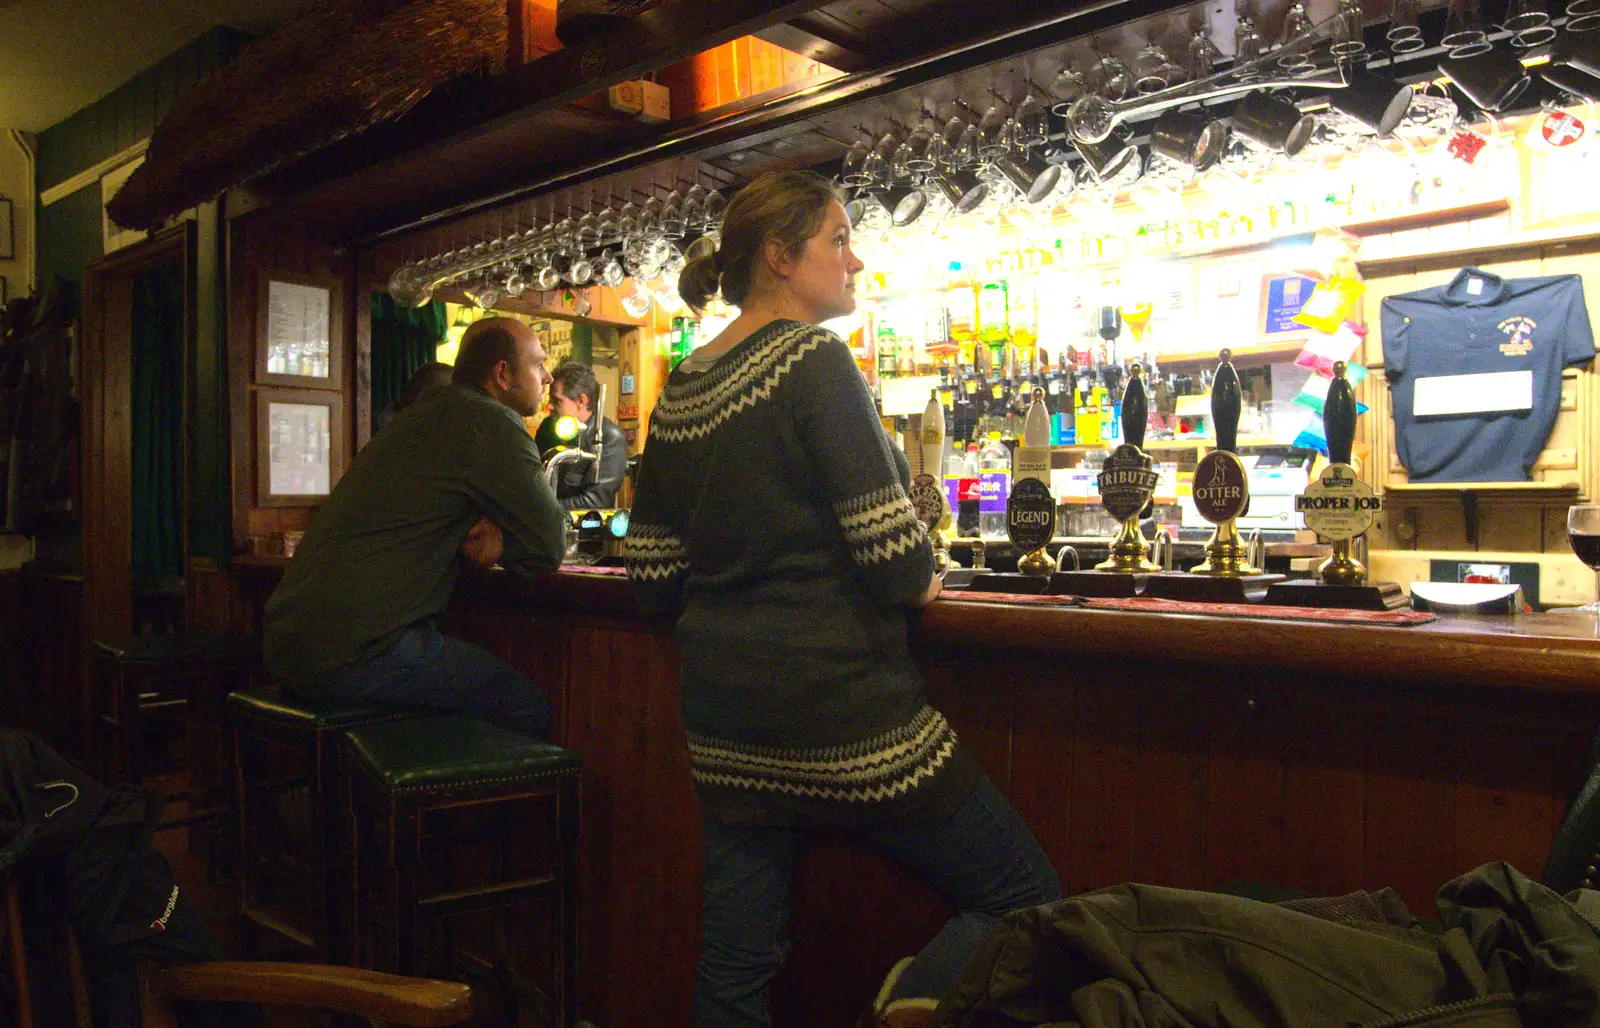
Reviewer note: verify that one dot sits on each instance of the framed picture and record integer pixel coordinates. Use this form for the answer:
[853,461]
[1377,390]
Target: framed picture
[299,330]
[8,241]
[300,451]
[1282,297]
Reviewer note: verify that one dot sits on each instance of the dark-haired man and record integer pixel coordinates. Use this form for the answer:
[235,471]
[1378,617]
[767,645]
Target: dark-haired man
[353,616]
[573,392]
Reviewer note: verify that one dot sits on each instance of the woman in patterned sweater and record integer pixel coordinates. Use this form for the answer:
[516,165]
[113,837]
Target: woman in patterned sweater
[771,516]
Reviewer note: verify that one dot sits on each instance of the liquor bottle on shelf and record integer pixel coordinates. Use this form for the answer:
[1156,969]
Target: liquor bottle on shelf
[993,323]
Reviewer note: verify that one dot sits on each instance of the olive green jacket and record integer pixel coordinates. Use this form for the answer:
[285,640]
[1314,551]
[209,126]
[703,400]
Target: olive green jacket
[1508,952]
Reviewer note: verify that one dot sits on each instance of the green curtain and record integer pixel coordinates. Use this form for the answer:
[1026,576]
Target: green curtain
[403,340]
[157,421]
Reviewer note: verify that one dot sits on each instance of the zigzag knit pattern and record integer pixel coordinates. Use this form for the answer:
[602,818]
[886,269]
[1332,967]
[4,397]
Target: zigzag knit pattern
[694,409]
[653,552]
[885,767]
[880,525]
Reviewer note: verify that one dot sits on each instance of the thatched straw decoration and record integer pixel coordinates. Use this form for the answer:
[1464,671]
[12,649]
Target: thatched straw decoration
[336,70]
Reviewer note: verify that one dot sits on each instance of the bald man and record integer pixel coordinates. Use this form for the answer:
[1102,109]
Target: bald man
[353,616]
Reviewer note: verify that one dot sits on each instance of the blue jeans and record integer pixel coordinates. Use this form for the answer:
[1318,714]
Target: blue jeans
[982,858]
[425,668]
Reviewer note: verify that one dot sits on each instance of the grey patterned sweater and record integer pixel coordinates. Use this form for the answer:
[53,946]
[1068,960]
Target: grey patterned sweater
[771,514]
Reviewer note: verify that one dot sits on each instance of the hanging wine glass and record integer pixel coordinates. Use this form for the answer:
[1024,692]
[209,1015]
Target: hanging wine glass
[1465,33]
[1110,77]
[1033,119]
[1203,53]
[918,160]
[851,173]
[587,236]
[515,282]
[1069,87]
[610,272]
[1247,46]
[1296,22]
[581,271]
[1349,30]
[1404,32]
[408,286]
[1529,22]
[610,230]
[716,207]
[1152,71]
[650,217]
[628,219]
[694,206]
[672,224]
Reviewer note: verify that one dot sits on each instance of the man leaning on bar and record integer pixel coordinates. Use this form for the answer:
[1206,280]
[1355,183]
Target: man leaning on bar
[353,616]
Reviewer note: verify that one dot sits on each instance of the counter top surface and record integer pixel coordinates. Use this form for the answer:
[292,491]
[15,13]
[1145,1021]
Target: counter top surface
[1549,652]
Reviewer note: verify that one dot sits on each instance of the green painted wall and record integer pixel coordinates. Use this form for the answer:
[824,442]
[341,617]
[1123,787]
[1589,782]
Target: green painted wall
[70,236]
[69,229]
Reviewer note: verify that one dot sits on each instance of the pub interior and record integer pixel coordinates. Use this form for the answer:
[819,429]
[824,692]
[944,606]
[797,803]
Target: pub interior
[1239,352]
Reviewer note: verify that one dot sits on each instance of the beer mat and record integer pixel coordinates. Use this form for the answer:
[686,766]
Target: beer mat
[1150,605]
[590,569]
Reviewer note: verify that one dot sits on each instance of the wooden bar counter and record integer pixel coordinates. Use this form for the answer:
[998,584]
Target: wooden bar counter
[1180,750]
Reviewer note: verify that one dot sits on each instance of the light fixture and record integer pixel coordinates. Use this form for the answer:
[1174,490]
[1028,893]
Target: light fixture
[1374,101]
[1273,122]
[963,188]
[1492,79]
[1579,50]
[903,204]
[1034,177]
[1108,157]
[1578,83]
[1193,140]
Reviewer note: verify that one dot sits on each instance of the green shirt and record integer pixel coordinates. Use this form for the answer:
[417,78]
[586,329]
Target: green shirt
[383,552]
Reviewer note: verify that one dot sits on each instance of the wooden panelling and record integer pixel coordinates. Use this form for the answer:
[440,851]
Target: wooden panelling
[42,657]
[641,827]
[262,245]
[1317,758]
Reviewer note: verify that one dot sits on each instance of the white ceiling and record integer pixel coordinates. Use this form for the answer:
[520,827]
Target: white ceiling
[59,56]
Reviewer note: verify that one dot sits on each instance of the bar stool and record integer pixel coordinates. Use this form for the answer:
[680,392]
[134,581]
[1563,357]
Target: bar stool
[178,680]
[405,775]
[285,746]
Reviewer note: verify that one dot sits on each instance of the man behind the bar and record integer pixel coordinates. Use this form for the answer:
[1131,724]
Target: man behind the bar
[353,616]
[583,487]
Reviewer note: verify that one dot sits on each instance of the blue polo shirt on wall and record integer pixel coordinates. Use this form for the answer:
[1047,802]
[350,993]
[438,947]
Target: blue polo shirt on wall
[1474,369]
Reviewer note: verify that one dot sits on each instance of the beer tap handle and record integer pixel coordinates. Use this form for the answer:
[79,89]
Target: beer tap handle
[1226,403]
[1135,407]
[1339,416]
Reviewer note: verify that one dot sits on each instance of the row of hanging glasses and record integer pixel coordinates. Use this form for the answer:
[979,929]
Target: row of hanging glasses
[1003,160]
[1008,159]
[641,239]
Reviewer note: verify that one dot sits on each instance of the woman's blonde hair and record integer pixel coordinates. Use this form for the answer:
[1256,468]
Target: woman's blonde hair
[788,206]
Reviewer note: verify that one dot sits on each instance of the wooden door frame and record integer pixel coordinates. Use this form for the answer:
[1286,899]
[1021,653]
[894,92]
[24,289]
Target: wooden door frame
[106,394]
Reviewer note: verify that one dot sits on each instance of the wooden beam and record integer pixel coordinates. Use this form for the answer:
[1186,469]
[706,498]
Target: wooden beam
[472,108]
[806,37]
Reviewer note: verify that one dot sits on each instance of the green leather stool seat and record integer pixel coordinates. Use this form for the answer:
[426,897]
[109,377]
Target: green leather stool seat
[452,751]
[312,713]
[163,649]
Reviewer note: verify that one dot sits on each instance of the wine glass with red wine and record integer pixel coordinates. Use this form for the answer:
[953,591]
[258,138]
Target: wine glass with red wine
[1583,529]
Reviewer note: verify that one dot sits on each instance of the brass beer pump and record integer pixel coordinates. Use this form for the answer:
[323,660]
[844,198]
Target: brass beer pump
[1338,506]
[1221,494]
[1127,482]
[1221,484]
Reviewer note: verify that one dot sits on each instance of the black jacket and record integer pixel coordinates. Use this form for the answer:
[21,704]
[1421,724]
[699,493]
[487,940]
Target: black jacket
[579,488]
